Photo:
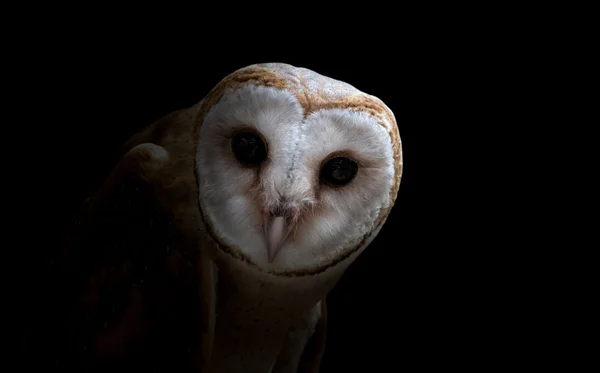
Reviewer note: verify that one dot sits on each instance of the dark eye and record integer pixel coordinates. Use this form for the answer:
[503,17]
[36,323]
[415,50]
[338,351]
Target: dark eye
[248,148]
[339,171]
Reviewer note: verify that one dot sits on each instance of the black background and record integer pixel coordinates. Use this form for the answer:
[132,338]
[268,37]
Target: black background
[90,98]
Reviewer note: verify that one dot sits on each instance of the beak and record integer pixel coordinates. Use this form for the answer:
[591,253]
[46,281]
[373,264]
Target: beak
[276,230]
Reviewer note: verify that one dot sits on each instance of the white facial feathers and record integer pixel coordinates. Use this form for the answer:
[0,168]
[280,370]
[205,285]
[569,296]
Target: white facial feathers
[326,220]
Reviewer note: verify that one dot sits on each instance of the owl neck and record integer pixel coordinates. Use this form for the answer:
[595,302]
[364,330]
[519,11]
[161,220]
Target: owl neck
[241,280]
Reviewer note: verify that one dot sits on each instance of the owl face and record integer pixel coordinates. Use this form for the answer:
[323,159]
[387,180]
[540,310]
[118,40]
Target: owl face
[289,190]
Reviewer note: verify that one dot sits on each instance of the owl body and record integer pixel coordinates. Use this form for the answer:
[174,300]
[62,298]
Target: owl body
[268,189]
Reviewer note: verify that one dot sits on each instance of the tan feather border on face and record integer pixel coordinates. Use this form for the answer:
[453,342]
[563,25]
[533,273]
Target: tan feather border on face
[260,75]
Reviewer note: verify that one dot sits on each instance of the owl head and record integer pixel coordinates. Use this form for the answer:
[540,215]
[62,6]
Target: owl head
[296,171]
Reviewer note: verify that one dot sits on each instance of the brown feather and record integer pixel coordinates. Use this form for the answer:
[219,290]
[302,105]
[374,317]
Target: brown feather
[133,250]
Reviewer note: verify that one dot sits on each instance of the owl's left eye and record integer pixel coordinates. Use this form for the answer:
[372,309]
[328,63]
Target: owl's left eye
[338,171]
[248,148]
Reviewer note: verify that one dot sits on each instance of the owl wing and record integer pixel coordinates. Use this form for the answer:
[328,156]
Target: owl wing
[315,347]
[132,276]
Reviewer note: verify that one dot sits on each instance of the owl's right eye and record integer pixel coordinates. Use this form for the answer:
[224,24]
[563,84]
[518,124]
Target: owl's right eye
[248,148]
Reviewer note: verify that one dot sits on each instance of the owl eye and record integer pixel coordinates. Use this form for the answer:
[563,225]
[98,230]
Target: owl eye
[338,171]
[248,148]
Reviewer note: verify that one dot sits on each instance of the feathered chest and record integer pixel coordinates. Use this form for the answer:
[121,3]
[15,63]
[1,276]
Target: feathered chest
[256,313]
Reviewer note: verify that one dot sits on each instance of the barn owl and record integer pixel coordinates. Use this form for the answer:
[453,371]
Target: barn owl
[218,235]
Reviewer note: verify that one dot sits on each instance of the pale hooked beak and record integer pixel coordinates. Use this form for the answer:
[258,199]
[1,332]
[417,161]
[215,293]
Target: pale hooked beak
[276,230]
